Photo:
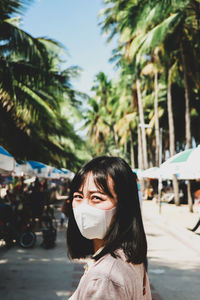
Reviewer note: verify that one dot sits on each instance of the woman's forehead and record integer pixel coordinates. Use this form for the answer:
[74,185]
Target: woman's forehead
[91,183]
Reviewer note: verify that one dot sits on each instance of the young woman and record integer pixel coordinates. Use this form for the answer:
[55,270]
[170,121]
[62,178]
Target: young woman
[105,224]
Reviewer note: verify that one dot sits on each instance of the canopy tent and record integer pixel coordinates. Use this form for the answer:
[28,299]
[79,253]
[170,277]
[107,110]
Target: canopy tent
[67,173]
[138,172]
[36,164]
[153,173]
[56,173]
[41,170]
[20,169]
[7,161]
[157,173]
[61,173]
[185,165]
[36,168]
[8,166]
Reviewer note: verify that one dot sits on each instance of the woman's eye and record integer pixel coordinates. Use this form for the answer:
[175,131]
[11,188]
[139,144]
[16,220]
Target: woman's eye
[77,197]
[97,198]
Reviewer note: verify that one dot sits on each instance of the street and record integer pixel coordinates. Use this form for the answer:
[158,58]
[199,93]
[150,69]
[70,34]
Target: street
[173,258]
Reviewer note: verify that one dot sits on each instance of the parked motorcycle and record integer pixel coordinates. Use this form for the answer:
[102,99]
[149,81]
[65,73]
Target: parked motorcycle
[15,227]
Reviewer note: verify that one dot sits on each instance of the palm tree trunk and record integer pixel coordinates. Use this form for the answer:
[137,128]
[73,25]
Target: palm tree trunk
[114,134]
[141,114]
[132,151]
[140,150]
[189,195]
[125,148]
[170,117]
[172,137]
[187,103]
[156,119]
[187,122]
[140,160]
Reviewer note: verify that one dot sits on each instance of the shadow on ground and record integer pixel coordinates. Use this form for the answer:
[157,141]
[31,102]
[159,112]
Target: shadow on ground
[36,273]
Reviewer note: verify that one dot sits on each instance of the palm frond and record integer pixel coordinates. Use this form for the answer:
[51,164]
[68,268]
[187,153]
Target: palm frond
[144,44]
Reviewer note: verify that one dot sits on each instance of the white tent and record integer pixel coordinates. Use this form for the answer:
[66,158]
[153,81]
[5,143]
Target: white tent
[35,168]
[7,161]
[153,173]
[157,173]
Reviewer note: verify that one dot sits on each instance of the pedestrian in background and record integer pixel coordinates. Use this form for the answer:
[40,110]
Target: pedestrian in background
[64,212]
[197,203]
[139,190]
[105,224]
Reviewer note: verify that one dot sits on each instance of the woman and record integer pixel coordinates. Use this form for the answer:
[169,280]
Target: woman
[105,223]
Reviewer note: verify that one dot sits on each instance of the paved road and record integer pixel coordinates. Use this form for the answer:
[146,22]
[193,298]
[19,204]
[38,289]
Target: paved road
[174,266]
[174,260]
[38,273]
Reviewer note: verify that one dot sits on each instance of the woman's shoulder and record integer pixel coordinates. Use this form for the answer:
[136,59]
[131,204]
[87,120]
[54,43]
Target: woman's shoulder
[116,269]
[111,276]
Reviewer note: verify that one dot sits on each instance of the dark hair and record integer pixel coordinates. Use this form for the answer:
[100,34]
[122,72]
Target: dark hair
[126,231]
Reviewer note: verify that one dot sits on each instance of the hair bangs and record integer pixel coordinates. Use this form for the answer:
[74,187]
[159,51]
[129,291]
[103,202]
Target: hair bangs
[101,181]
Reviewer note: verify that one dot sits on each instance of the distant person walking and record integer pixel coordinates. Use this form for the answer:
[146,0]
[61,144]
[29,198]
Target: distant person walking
[105,224]
[37,199]
[140,197]
[197,203]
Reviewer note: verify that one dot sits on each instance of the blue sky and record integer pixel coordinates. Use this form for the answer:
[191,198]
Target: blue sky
[74,23]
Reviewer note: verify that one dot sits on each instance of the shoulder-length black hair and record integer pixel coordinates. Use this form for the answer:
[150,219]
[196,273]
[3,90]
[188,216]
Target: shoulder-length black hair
[126,231]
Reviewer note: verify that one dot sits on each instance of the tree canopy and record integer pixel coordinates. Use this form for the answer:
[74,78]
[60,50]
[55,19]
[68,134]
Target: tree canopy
[158,58]
[35,91]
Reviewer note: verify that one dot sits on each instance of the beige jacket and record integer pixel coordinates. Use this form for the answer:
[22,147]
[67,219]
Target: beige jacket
[113,279]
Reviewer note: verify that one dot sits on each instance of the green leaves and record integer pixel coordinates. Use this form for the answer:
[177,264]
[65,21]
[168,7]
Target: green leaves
[151,36]
[34,89]
[155,37]
[38,100]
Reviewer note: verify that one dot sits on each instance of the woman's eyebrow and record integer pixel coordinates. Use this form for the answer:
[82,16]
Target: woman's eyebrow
[91,192]
[96,191]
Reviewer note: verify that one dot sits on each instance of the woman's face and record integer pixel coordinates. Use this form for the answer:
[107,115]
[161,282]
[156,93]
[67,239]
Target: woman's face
[91,194]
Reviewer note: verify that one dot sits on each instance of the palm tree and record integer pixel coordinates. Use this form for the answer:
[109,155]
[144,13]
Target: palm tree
[33,89]
[99,118]
[142,124]
[142,26]
[126,122]
[154,37]
[118,19]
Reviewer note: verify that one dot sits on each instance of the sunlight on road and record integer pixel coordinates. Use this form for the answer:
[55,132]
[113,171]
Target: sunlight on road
[3,261]
[21,251]
[60,259]
[63,293]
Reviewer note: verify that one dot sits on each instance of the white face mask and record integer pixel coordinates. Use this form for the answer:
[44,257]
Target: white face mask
[93,222]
